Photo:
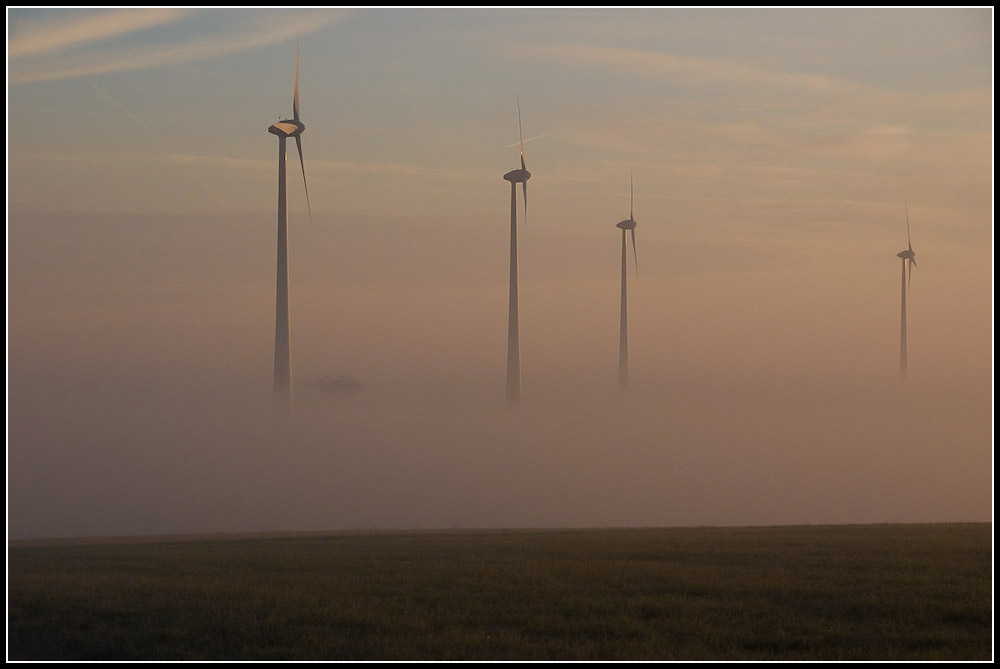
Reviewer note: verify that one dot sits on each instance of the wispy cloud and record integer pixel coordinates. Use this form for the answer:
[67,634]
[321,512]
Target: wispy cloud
[33,38]
[99,59]
[769,118]
[840,98]
[324,166]
[650,62]
[216,163]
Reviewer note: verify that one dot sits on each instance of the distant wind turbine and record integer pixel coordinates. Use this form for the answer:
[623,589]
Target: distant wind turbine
[515,177]
[908,264]
[284,129]
[626,225]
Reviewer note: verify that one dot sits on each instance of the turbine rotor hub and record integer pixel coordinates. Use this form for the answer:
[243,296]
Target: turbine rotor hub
[287,128]
[517,176]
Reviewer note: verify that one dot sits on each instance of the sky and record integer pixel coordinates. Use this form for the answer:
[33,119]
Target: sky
[776,156]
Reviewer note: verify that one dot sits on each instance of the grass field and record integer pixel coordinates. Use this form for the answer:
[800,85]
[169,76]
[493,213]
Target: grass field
[866,592]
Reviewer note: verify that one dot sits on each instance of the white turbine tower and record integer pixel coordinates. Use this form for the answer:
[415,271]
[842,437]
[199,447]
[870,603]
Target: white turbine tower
[284,129]
[626,225]
[515,177]
[909,262]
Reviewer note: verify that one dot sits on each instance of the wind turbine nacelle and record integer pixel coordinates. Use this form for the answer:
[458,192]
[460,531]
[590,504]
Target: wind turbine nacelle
[906,255]
[628,224]
[288,128]
[517,176]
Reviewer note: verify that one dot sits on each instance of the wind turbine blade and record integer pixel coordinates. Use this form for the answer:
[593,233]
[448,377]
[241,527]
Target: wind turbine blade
[295,100]
[520,134]
[631,198]
[635,256]
[908,244]
[524,189]
[298,145]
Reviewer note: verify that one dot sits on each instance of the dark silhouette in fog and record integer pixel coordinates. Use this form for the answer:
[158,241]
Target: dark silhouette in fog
[340,384]
[626,225]
[284,129]
[513,343]
[908,263]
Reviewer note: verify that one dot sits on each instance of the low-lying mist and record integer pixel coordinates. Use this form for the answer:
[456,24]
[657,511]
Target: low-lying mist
[139,385]
[141,456]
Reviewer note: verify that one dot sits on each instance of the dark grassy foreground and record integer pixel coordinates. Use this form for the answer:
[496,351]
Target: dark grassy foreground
[875,592]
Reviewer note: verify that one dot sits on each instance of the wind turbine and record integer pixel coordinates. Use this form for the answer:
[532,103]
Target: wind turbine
[284,129]
[515,177]
[908,264]
[626,225]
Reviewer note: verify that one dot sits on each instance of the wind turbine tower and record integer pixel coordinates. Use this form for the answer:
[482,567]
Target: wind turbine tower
[284,129]
[515,177]
[909,262]
[626,226]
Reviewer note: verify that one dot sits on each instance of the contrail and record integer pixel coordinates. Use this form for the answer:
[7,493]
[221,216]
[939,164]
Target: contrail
[552,132]
[537,137]
[121,107]
[215,196]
